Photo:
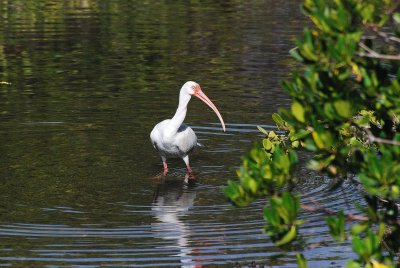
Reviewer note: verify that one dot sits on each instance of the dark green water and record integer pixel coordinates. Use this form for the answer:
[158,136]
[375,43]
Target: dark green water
[89,80]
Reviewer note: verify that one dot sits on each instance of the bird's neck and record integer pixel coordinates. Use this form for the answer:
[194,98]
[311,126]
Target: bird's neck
[180,113]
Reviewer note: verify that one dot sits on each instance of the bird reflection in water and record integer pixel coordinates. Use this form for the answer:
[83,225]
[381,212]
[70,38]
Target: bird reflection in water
[172,200]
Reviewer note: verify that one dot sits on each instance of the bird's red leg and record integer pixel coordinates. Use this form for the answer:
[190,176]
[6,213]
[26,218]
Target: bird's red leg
[189,170]
[165,168]
[186,159]
[190,174]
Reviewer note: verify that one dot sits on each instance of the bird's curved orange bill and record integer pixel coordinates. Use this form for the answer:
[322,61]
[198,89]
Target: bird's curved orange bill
[200,94]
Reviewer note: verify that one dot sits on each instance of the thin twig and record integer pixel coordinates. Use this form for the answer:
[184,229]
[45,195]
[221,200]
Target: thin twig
[349,217]
[373,54]
[379,56]
[373,138]
[385,36]
[369,37]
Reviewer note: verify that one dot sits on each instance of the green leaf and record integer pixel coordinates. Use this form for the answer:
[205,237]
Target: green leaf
[278,120]
[271,134]
[329,111]
[262,130]
[336,226]
[396,17]
[318,140]
[298,111]
[271,216]
[353,264]
[291,203]
[231,190]
[294,52]
[236,194]
[307,48]
[251,184]
[367,12]
[376,264]
[358,228]
[343,108]
[301,134]
[288,237]
[268,145]
[358,246]
[295,144]
[301,261]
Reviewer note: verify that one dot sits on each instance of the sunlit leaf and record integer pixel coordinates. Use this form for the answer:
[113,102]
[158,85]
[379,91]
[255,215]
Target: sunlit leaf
[252,185]
[298,111]
[262,130]
[396,17]
[300,134]
[278,120]
[295,144]
[318,140]
[288,237]
[294,52]
[301,261]
[343,108]
[376,264]
[271,134]
[267,144]
[353,264]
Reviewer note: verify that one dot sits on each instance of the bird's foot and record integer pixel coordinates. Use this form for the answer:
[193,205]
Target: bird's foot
[190,174]
[191,177]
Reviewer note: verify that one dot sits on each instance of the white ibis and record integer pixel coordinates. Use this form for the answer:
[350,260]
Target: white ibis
[171,137]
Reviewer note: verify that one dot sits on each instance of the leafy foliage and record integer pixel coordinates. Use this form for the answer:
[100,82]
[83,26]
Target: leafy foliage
[345,111]
[281,218]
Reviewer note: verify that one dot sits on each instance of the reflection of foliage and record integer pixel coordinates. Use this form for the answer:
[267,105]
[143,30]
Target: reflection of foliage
[96,48]
[140,32]
[345,110]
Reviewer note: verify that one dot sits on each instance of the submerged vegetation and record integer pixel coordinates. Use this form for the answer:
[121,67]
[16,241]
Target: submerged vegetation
[345,113]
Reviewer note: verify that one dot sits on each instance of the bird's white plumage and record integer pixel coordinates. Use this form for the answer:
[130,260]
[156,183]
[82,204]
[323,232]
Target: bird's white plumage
[173,144]
[171,137]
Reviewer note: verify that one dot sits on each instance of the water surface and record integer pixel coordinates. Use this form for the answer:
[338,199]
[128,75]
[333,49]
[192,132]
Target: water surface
[80,181]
